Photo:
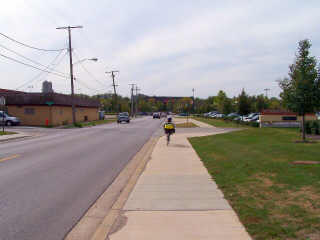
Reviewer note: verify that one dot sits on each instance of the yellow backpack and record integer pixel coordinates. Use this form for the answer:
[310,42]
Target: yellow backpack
[168,126]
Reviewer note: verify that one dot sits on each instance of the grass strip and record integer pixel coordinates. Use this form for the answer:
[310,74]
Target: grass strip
[273,198]
[6,133]
[186,125]
[219,123]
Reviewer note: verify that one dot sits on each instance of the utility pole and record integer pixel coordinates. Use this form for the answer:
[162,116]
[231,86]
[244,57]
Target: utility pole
[114,89]
[71,71]
[193,104]
[266,89]
[132,89]
[137,89]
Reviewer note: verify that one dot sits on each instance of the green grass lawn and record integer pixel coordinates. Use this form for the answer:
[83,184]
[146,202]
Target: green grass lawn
[273,198]
[6,133]
[219,123]
[186,125]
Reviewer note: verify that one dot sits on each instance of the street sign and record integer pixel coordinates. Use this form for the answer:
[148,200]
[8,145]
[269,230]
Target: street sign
[49,103]
[2,101]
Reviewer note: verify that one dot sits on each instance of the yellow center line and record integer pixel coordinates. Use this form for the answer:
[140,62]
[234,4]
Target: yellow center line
[9,158]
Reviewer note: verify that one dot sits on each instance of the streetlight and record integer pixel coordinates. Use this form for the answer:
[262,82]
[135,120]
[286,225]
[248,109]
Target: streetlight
[85,59]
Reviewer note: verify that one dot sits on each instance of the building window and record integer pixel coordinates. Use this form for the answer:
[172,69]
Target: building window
[289,118]
[29,111]
[61,111]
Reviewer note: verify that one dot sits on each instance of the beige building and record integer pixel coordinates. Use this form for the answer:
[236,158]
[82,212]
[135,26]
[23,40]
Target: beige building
[39,109]
[282,119]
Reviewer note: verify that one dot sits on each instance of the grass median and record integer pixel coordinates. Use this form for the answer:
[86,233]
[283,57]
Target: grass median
[6,133]
[186,125]
[274,198]
[219,123]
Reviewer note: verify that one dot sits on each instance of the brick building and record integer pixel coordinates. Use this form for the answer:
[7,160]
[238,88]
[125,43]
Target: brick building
[39,109]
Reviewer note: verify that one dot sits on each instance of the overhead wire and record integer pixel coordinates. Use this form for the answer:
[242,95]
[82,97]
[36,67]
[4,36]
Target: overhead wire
[41,73]
[29,65]
[29,59]
[29,46]
[88,72]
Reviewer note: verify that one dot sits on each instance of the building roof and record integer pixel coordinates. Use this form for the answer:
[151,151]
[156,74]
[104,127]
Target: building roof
[2,90]
[54,99]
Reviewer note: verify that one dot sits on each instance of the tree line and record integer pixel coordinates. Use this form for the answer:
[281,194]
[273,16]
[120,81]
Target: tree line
[243,104]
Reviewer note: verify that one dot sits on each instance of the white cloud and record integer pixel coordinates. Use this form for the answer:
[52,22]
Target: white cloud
[166,47]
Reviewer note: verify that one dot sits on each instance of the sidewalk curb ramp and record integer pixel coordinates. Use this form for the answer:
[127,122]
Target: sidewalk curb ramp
[97,222]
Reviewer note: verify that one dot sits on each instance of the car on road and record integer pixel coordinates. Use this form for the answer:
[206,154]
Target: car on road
[123,117]
[8,120]
[156,115]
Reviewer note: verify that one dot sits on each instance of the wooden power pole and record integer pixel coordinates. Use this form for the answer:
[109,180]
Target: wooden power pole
[71,71]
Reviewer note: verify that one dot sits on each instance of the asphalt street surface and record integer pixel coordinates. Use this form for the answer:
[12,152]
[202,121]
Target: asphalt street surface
[47,183]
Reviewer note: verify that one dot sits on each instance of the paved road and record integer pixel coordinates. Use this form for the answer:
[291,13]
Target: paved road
[47,183]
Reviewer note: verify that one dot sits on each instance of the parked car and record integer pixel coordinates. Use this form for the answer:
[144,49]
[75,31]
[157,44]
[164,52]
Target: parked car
[251,115]
[254,119]
[183,114]
[8,120]
[220,115]
[123,117]
[233,115]
[212,115]
[156,115]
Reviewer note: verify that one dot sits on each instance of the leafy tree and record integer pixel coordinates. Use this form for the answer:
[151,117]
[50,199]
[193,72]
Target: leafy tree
[301,91]
[222,102]
[243,103]
[261,103]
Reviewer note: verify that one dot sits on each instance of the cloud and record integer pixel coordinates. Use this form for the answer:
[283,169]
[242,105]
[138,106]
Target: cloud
[166,47]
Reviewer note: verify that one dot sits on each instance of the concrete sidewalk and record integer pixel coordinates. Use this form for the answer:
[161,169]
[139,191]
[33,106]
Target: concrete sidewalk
[175,197]
[4,138]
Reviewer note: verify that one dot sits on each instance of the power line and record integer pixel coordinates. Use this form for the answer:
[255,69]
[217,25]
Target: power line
[26,45]
[39,74]
[85,69]
[29,65]
[29,59]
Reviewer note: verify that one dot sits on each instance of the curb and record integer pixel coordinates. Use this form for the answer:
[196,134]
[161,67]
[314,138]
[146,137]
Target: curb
[14,137]
[97,222]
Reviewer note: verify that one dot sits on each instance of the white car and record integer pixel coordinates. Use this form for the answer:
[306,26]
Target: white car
[250,116]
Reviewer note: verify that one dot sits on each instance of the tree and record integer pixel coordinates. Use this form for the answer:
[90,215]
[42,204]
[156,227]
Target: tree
[223,103]
[301,91]
[261,103]
[243,103]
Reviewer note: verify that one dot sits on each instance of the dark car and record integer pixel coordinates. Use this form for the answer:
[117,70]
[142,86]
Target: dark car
[123,117]
[156,115]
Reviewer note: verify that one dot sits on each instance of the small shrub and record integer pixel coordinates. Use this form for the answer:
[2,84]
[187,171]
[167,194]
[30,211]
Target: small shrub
[308,127]
[79,125]
[254,124]
[315,127]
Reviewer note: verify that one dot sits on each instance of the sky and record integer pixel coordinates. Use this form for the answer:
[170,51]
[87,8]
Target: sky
[165,47]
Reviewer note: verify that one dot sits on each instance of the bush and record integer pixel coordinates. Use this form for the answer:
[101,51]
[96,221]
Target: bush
[254,124]
[79,125]
[307,127]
